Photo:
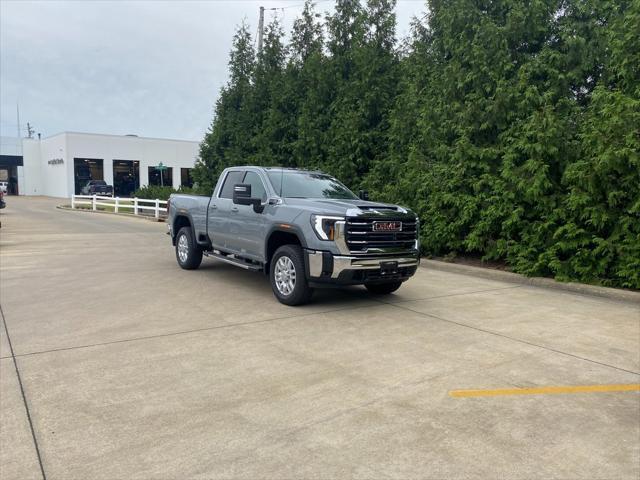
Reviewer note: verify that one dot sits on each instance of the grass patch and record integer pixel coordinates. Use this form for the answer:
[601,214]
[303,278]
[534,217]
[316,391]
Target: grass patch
[103,208]
[121,209]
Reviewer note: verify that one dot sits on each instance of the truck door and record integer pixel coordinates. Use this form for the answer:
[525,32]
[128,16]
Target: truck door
[221,209]
[249,225]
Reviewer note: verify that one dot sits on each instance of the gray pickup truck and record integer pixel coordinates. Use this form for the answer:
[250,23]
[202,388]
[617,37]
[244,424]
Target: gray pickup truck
[304,229]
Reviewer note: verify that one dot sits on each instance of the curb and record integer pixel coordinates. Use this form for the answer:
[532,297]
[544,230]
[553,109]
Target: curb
[500,275]
[131,215]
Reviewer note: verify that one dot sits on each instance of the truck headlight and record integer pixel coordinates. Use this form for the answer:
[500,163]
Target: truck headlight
[324,226]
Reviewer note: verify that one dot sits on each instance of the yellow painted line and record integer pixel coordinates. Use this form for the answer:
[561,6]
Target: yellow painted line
[545,390]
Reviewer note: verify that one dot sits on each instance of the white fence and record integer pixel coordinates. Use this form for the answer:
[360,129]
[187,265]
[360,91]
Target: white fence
[137,206]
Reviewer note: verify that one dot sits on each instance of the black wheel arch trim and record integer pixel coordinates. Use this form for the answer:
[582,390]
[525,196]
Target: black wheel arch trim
[175,230]
[293,230]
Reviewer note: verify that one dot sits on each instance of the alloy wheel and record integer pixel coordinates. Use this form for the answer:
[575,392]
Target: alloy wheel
[183,248]
[285,275]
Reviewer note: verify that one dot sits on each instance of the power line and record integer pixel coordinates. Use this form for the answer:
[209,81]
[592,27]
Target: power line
[261,23]
[297,5]
[302,4]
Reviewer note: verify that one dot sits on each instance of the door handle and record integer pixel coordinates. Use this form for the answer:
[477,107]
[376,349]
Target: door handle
[214,207]
[234,209]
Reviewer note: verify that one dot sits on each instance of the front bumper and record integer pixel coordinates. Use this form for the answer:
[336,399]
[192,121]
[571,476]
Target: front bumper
[326,268]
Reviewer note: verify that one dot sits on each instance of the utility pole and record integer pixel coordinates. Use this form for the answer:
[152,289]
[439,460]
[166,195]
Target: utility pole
[260,28]
[30,130]
[19,144]
[18,118]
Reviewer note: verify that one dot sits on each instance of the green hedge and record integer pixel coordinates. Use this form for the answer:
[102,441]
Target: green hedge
[162,193]
[510,127]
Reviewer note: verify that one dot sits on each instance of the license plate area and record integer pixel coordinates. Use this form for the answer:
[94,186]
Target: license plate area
[388,268]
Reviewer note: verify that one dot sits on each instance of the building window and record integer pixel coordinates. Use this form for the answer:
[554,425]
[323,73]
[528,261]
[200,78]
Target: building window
[86,169]
[166,179]
[186,180]
[126,177]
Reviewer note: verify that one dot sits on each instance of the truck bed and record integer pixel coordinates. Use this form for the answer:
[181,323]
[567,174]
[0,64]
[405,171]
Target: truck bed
[195,207]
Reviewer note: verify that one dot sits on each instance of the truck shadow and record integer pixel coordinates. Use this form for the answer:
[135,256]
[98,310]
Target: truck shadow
[244,280]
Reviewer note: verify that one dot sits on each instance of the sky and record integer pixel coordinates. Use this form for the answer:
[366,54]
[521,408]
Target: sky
[152,68]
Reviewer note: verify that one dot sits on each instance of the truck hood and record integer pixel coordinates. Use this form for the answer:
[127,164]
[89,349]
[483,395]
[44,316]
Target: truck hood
[354,207]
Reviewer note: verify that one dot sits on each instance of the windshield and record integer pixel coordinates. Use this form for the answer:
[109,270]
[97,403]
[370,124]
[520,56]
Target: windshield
[308,185]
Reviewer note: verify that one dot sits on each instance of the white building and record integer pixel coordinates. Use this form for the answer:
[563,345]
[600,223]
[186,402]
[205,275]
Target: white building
[60,165]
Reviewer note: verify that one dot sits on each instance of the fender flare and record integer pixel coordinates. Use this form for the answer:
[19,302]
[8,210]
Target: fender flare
[291,229]
[174,232]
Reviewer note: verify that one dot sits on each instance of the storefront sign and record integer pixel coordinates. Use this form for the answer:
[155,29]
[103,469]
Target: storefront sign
[56,161]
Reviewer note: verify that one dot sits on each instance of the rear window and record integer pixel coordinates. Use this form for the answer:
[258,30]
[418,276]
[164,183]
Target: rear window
[233,178]
[99,182]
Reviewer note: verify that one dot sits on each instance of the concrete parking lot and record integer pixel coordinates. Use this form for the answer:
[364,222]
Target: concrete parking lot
[119,365]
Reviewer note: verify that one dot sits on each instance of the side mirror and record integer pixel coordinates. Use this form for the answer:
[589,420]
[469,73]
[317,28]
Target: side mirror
[363,194]
[242,196]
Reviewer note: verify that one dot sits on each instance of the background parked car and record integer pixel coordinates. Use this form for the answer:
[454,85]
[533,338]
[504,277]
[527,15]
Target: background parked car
[97,187]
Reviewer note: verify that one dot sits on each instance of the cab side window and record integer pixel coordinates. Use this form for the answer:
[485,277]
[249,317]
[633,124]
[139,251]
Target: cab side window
[257,187]
[232,179]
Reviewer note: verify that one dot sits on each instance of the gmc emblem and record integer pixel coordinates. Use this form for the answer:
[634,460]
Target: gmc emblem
[387,226]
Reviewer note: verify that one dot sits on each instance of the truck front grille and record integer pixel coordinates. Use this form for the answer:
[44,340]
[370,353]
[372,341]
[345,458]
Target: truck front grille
[361,237]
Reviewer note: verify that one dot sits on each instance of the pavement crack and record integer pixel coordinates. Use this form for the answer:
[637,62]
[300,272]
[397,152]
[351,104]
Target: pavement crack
[240,324]
[491,332]
[450,295]
[186,332]
[24,396]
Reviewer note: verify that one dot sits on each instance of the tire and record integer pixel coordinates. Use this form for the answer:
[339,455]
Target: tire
[288,260]
[188,252]
[383,288]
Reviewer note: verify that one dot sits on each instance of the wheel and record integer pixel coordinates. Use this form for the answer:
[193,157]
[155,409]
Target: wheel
[287,275]
[383,288]
[188,253]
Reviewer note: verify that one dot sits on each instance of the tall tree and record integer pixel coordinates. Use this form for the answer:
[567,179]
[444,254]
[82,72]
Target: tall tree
[228,140]
[387,179]
[510,127]
[306,37]
[272,104]
[310,82]
[364,64]
[599,241]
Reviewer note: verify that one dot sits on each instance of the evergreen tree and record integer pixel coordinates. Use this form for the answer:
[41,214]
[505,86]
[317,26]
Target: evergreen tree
[510,127]
[364,65]
[228,140]
[309,80]
[272,102]
[306,37]
[389,179]
[600,240]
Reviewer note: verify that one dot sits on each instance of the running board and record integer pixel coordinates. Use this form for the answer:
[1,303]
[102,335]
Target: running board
[238,262]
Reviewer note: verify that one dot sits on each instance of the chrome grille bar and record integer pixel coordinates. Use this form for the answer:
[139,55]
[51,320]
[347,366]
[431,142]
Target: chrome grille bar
[360,236]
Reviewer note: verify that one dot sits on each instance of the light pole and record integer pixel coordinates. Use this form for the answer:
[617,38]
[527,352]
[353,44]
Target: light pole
[161,168]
